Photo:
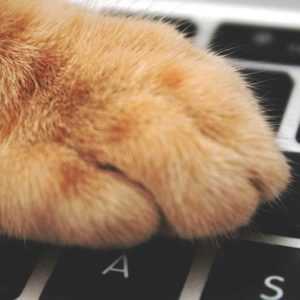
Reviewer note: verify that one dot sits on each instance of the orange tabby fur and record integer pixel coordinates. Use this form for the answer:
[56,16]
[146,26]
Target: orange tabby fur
[113,128]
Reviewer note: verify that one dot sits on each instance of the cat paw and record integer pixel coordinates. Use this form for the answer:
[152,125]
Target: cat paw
[127,128]
[185,128]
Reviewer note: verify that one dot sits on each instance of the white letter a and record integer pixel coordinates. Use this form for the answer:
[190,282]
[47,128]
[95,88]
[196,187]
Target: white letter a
[122,269]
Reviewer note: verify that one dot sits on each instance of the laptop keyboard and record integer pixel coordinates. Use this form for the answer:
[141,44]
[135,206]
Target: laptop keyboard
[17,261]
[264,44]
[273,88]
[158,269]
[155,270]
[283,218]
[246,270]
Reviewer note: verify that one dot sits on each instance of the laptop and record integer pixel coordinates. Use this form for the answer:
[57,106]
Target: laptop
[262,37]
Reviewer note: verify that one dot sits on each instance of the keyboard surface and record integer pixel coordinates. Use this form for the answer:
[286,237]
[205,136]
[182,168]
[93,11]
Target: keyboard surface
[273,89]
[258,43]
[282,218]
[155,270]
[245,270]
[17,262]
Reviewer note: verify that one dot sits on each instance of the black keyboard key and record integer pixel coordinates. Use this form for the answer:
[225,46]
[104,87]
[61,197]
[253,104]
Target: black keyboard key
[259,43]
[283,217]
[156,270]
[17,261]
[246,270]
[273,89]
